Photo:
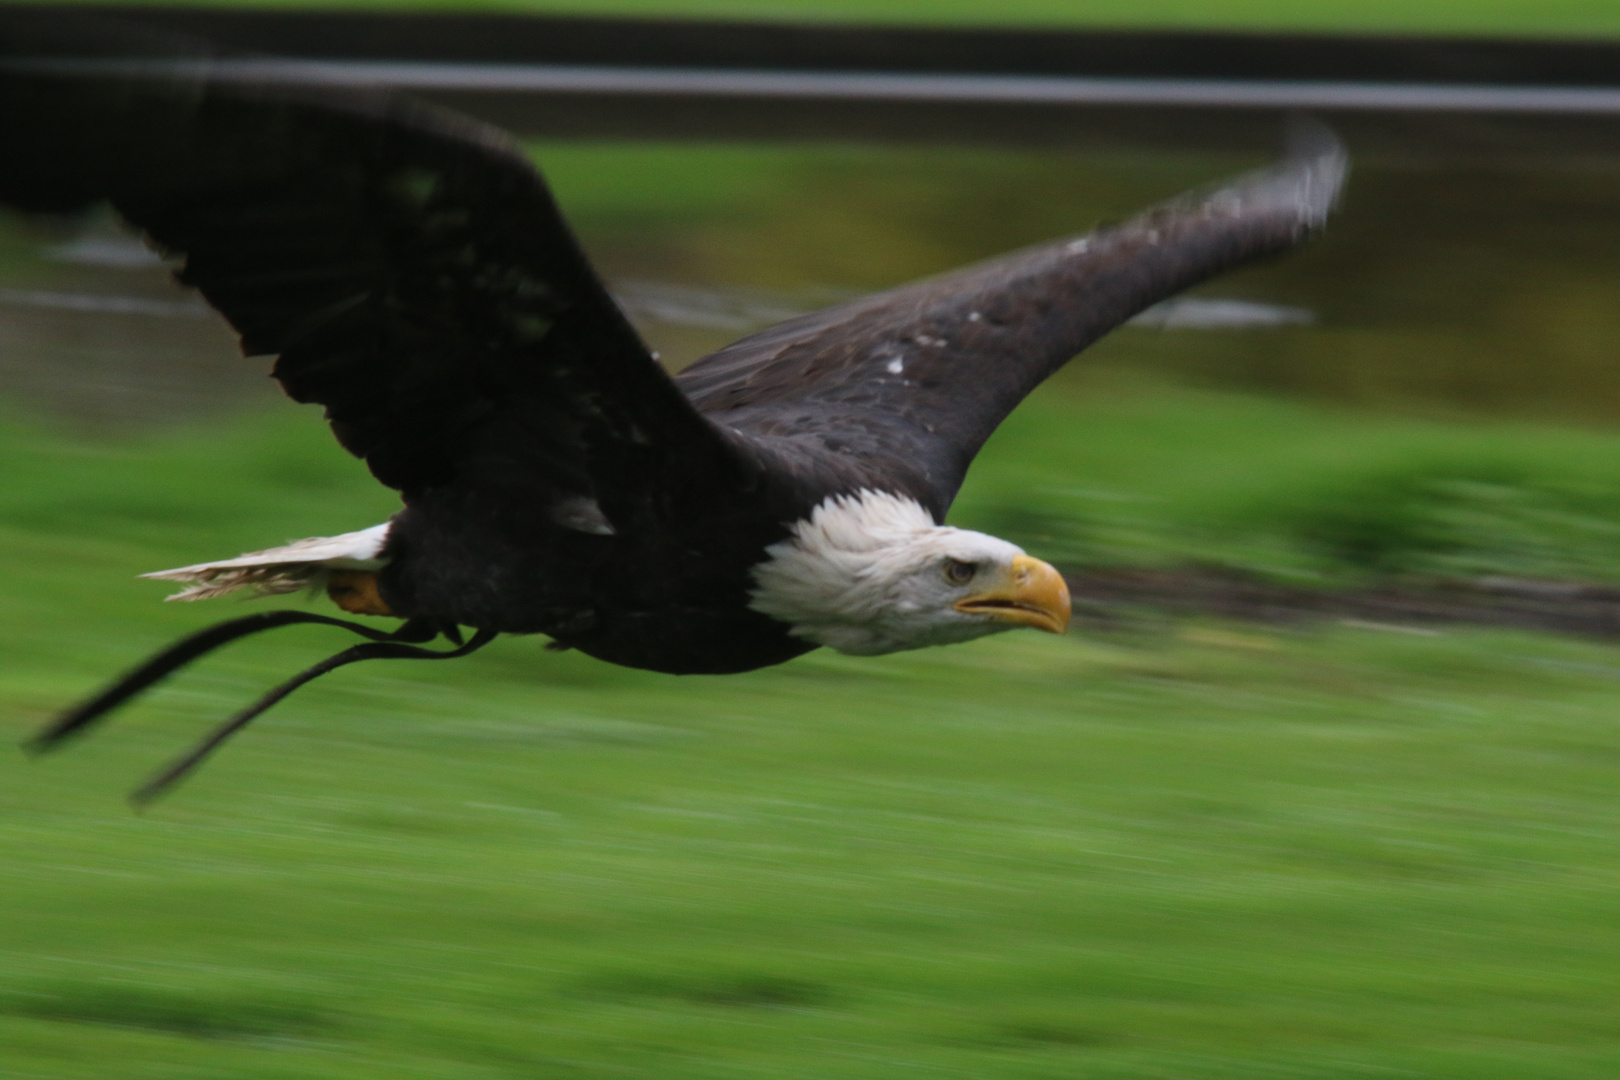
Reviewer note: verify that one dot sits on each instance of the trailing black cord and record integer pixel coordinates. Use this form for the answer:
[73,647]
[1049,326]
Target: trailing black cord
[376,650]
[80,718]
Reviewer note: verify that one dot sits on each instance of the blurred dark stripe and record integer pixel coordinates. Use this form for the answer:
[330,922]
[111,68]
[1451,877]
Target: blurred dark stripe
[502,38]
[1411,99]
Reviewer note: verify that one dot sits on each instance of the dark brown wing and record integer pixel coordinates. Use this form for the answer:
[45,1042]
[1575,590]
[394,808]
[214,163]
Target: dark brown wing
[899,390]
[405,264]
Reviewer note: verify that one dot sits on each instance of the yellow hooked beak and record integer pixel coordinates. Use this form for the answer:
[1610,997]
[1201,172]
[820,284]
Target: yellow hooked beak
[1031,593]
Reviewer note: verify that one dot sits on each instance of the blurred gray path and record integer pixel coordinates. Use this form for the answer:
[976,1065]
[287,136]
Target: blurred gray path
[879,86]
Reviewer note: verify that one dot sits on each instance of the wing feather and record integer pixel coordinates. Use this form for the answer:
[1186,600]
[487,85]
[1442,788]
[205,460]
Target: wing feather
[405,265]
[900,389]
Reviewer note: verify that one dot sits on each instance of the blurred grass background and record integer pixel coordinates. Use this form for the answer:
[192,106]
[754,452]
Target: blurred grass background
[1534,18]
[1192,850]
[1198,851]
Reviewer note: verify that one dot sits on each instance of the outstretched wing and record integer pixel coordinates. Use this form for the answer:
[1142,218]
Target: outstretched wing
[406,265]
[899,390]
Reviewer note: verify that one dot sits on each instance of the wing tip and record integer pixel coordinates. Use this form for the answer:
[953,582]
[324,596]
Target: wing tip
[1302,187]
[1318,163]
[1307,182]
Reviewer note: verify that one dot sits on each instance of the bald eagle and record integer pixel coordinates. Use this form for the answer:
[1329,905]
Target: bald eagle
[408,270]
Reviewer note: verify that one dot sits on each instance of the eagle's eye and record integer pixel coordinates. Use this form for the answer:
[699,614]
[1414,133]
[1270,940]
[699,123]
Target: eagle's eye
[958,572]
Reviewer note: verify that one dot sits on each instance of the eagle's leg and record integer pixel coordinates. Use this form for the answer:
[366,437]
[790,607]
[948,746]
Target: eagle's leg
[355,591]
[79,719]
[376,650]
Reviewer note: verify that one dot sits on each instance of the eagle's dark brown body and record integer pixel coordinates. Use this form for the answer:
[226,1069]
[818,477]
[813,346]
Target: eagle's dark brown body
[502,564]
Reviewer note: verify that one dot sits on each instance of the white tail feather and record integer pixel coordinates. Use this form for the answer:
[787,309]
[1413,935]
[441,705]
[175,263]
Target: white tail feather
[303,564]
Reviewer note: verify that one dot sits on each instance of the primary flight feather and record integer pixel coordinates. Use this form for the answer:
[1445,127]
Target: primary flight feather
[408,270]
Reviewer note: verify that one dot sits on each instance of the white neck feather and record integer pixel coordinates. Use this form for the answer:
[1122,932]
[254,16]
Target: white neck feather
[850,577]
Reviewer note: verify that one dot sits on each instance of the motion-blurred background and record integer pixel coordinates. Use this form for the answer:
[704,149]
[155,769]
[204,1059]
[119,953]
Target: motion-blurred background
[1322,785]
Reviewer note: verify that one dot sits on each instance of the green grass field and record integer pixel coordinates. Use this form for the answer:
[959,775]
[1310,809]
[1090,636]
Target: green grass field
[1194,852]
[1535,18]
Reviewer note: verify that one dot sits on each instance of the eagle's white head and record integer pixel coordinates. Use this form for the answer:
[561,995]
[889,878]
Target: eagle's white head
[871,573]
